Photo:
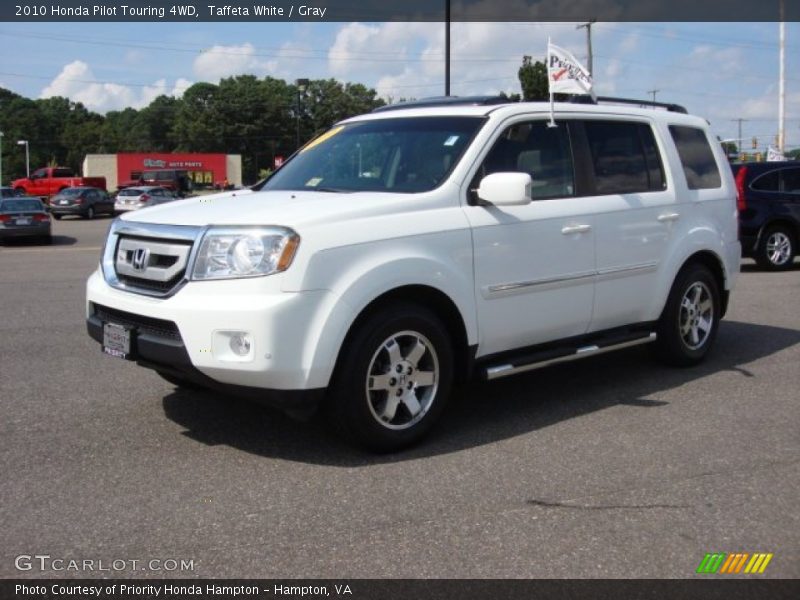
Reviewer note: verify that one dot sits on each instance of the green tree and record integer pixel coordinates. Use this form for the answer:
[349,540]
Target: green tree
[533,80]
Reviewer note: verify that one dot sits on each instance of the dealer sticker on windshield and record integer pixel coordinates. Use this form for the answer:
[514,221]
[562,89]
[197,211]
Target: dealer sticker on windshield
[116,340]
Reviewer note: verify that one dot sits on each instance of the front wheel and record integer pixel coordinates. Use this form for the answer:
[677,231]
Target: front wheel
[90,213]
[688,325]
[393,378]
[776,249]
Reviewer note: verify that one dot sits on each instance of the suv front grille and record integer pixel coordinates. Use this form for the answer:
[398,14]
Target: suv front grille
[147,325]
[149,259]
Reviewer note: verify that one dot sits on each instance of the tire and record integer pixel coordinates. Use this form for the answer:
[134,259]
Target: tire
[776,249]
[179,381]
[688,325]
[393,378]
[57,217]
[90,213]
[47,240]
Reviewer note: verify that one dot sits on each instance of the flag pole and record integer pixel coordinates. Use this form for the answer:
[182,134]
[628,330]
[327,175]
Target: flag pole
[552,122]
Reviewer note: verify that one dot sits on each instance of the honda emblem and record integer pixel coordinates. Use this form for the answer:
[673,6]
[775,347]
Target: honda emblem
[140,258]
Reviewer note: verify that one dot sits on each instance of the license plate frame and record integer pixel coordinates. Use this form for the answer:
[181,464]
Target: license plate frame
[118,341]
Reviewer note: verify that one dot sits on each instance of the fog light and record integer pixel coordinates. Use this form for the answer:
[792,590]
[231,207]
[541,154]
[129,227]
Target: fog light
[240,344]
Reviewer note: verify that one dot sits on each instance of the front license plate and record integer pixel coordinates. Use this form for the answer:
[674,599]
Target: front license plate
[116,340]
[63,202]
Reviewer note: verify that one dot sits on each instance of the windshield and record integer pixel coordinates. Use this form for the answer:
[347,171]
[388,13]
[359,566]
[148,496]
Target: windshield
[70,192]
[404,155]
[131,192]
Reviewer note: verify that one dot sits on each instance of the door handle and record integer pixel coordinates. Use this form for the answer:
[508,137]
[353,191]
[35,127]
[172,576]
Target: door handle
[668,217]
[575,229]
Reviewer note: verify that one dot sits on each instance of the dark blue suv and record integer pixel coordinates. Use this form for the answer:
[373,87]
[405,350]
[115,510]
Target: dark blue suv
[769,211]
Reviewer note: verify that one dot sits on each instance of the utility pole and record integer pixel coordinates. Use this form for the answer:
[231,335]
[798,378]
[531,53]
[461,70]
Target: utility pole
[447,48]
[1,158]
[782,82]
[653,92]
[588,26]
[739,143]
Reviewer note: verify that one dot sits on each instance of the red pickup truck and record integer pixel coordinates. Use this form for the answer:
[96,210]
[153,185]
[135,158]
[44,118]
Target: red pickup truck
[48,181]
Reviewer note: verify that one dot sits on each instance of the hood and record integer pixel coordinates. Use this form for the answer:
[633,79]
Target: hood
[287,208]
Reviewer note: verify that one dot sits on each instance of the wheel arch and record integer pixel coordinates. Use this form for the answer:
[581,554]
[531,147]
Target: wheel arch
[432,299]
[713,263]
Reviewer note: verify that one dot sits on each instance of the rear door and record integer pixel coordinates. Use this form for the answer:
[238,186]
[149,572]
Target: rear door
[635,215]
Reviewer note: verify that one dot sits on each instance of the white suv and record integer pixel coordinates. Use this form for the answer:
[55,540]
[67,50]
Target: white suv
[413,247]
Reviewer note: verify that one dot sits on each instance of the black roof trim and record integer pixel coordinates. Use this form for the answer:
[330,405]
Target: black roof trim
[446,101]
[632,101]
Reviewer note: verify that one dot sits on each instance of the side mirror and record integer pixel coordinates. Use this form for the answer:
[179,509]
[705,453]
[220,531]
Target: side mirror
[506,189]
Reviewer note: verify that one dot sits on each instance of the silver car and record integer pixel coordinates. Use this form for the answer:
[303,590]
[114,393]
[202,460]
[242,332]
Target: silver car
[134,198]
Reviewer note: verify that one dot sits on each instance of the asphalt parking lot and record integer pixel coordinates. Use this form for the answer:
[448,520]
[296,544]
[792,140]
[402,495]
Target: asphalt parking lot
[612,467]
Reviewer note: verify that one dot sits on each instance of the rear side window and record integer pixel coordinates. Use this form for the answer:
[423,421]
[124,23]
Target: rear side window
[696,157]
[768,182]
[791,180]
[62,173]
[625,157]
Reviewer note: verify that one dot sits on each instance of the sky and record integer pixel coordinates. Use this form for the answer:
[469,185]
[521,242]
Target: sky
[720,71]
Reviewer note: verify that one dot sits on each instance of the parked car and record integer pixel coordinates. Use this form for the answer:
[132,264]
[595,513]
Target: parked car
[177,181]
[769,212]
[422,245]
[24,217]
[47,181]
[9,192]
[85,202]
[134,198]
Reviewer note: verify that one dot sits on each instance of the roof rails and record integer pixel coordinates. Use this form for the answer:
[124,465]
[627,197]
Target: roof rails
[446,101]
[641,103]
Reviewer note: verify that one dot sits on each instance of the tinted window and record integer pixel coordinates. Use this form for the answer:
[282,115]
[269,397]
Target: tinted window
[62,173]
[541,151]
[624,157]
[768,182]
[20,205]
[791,180]
[696,157]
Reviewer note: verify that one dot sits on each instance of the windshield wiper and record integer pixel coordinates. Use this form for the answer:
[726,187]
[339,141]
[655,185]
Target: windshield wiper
[331,190]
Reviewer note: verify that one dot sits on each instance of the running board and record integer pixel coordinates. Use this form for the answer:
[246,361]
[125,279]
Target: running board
[552,357]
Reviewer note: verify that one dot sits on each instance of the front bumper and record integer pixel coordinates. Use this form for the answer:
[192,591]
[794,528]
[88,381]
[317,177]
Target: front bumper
[186,333]
[171,357]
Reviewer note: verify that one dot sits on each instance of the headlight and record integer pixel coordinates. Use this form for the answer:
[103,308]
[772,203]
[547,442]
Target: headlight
[230,252]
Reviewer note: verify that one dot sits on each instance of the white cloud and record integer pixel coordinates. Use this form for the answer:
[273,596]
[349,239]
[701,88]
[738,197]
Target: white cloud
[77,82]
[224,61]
[407,59]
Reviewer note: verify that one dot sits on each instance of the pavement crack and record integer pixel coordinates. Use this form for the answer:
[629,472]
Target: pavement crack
[546,504]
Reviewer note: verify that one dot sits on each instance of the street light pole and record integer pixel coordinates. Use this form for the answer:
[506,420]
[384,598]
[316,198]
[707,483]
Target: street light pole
[447,49]
[1,158]
[27,157]
[588,26]
[301,88]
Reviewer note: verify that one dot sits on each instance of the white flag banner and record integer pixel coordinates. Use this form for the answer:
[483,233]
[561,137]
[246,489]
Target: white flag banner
[774,155]
[565,75]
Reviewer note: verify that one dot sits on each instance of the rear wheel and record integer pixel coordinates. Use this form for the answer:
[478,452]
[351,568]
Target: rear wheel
[393,378]
[90,212]
[776,249]
[688,325]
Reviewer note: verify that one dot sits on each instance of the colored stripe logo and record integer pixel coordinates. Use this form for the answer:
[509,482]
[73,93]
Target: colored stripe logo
[734,563]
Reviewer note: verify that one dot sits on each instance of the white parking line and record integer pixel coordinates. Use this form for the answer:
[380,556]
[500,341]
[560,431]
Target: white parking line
[50,248]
